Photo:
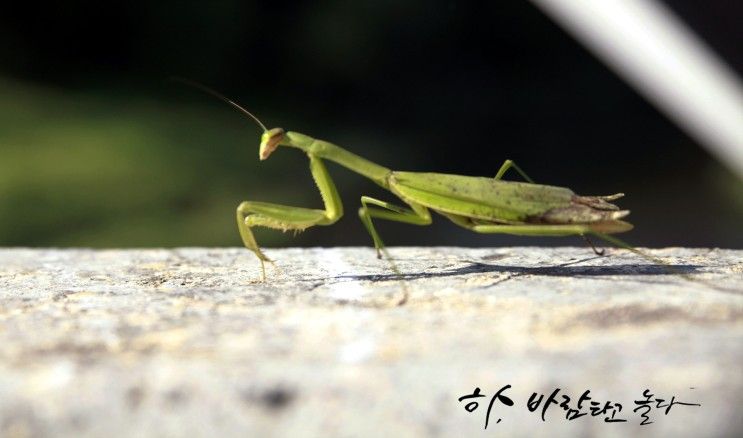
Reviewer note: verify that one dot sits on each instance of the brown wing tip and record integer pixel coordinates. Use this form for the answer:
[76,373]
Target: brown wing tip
[598,202]
[613,197]
[614,215]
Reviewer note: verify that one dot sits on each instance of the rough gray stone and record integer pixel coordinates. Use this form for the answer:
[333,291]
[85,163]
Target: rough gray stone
[187,342]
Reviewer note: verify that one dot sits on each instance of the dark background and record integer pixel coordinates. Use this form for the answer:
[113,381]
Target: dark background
[97,148]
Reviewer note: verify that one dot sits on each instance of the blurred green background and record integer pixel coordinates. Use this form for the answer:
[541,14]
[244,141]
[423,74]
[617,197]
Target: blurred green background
[98,148]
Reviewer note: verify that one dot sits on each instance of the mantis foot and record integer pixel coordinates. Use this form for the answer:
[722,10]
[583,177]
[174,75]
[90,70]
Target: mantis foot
[588,241]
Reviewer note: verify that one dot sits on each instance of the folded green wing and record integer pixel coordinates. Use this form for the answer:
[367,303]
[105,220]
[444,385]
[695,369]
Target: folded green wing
[480,197]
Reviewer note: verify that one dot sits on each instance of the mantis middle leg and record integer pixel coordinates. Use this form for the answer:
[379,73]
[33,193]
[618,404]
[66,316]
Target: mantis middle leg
[416,215]
[284,217]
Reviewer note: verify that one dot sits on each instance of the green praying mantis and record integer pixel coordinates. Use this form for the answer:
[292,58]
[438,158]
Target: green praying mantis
[480,204]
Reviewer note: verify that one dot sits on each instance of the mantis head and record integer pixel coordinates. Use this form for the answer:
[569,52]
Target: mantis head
[270,140]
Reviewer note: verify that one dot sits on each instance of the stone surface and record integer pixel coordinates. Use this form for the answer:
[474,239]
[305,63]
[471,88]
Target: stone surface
[185,342]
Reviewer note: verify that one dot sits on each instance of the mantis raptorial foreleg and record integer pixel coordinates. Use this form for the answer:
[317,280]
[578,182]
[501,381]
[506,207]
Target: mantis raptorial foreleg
[416,215]
[279,217]
[507,165]
[285,217]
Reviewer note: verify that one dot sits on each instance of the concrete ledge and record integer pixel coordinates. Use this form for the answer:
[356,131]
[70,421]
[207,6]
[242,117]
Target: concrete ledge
[185,342]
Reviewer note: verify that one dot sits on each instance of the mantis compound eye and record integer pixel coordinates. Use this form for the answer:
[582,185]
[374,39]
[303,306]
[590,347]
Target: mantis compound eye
[270,141]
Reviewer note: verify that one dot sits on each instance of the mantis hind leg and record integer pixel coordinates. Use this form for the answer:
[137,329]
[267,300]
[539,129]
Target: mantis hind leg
[416,215]
[521,229]
[509,164]
[529,230]
[544,230]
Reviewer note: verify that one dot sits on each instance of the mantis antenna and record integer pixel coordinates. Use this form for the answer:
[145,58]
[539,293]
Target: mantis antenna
[208,90]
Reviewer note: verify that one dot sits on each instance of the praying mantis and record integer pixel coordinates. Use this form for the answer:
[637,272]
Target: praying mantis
[480,204]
